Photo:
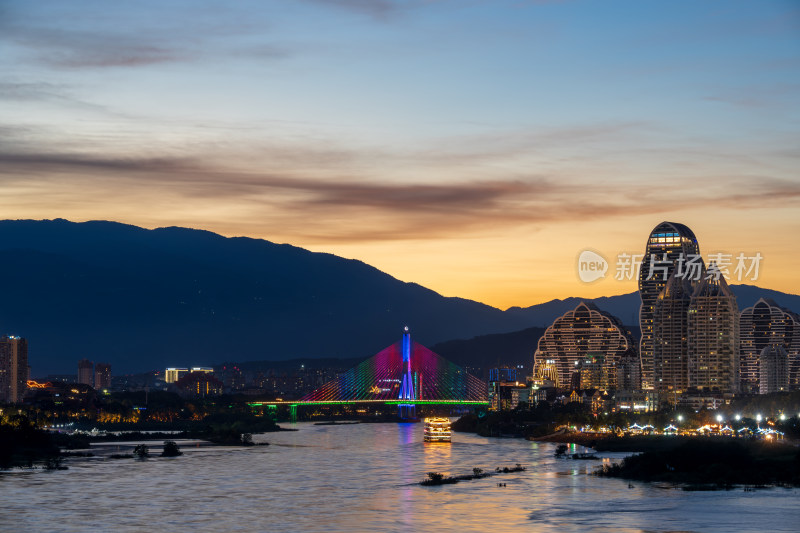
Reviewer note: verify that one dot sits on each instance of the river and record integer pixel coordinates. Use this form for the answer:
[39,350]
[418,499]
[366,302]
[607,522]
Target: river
[364,478]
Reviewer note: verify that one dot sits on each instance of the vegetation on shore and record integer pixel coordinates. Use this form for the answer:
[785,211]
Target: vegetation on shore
[713,463]
[437,478]
[23,445]
[543,421]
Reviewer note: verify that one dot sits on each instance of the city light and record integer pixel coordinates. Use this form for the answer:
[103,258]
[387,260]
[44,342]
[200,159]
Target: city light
[758,418]
[680,418]
[738,417]
[719,418]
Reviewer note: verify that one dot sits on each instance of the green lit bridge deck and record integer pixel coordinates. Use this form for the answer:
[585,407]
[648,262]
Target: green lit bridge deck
[384,402]
[405,375]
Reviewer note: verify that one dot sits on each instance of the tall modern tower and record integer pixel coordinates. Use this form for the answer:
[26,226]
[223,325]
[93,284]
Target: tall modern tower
[670,339]
[86,372]
[13,368]
[102,376]
[671,247]
[762,325]
[713,346]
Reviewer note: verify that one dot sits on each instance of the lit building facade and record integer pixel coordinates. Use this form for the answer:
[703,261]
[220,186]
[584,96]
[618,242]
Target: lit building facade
[762,325]
[504,386]
[13,368]
[713,343]
[773,369]
[629,371]
[172,374]
[670,247]
[584,334]
[199,383]
[102,376]
[671,339]
[545,373]
[86,372]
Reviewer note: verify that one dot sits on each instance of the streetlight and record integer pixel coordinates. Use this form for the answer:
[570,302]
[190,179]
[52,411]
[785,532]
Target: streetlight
[680,418]
[719,418]
[783,416]
[738,417]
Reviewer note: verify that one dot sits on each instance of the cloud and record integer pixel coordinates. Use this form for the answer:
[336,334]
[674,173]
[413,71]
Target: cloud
[324,207]
[78,49]
[380,9]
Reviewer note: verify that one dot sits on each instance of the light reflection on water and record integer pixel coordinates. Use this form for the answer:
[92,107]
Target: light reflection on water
[364,477]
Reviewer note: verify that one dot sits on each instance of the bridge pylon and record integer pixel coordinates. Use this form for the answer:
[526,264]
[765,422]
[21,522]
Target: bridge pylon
[409,389]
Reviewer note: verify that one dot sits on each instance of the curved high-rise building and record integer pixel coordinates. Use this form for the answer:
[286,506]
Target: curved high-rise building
[713,346]
[762,325]
[671,247]
[670,338]
[773,369]
[585,337]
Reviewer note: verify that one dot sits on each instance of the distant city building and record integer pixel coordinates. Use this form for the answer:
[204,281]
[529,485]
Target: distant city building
[102,376]
[200,383]
[86,372]
[171,375]
[773,369]
[545,373]
[713,345]
[669,245]
[670,339]
[58,393]
[584,334]
[593,373]
[762,325]
[629,371]
[632,401]
[520,396]
[14,368]
[506,373]
[506,388]
[62,378]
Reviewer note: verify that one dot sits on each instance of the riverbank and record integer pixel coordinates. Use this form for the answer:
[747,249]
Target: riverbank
[24,445]
[707,463]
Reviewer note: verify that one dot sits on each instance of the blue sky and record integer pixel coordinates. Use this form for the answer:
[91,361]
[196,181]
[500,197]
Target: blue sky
[410,134]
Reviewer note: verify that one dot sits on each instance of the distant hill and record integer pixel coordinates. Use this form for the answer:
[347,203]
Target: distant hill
[144,299]
[626,306]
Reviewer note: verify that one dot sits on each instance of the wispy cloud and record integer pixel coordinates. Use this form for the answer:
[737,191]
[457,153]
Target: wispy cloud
[324,207]
[375,8]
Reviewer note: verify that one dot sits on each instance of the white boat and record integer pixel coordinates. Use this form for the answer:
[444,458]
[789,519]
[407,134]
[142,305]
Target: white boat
[437,430]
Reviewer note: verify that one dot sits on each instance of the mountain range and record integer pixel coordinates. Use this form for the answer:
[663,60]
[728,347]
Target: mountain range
[144,299]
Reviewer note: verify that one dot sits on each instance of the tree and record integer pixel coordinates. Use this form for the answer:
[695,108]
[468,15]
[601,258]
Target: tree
[141,451]
[171,449]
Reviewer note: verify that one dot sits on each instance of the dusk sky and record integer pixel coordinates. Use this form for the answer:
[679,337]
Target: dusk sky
[474,147]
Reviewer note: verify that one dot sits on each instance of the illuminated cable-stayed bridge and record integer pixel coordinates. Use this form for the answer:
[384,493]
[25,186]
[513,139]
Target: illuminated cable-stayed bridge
[405,374]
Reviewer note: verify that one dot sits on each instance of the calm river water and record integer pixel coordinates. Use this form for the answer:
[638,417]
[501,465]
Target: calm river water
[363,478]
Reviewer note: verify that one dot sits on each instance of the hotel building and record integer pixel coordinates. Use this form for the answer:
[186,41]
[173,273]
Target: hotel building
[13,368]
[670,339]
[670,247]
[762,325]
[713,342]
[585,338]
